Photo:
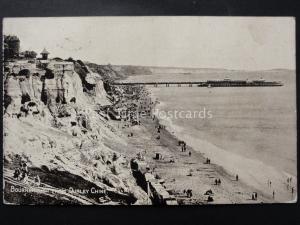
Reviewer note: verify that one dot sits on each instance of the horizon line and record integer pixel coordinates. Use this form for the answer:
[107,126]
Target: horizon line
[192,68]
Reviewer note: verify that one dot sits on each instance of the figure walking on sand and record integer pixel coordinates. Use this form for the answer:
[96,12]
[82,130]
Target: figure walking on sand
[207,161]
[273,194]
[254,196]
[218,181]
[237,177]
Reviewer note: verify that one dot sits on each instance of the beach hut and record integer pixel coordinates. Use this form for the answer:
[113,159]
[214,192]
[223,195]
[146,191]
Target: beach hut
[158,156]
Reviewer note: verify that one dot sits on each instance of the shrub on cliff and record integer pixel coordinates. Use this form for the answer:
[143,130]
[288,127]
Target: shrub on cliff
[7,100]
[29,54]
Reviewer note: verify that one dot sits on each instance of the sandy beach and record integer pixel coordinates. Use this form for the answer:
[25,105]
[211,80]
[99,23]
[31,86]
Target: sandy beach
[176,175]
[181,171]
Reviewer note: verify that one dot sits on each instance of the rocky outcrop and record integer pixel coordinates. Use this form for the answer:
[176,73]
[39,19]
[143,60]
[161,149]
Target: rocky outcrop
[54,86]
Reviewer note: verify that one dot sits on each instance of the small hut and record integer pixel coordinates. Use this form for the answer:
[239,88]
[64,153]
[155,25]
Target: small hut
[45,54]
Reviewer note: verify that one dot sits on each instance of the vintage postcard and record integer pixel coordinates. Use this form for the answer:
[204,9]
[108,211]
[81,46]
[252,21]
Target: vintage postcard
[149,110]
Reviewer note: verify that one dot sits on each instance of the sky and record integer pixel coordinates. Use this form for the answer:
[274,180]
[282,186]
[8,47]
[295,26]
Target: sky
[246,43]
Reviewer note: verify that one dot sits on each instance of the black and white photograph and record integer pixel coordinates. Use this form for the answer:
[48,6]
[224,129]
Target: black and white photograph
[149,110]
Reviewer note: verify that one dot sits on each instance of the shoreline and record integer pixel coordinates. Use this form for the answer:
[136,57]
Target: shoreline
[186,172]
[169,140]
[176,175]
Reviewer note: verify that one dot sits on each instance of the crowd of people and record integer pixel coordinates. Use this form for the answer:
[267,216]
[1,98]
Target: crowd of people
[218,181]
[183,148]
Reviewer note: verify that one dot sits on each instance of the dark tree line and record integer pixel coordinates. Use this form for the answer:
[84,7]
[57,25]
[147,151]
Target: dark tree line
[12,48]
[29,54]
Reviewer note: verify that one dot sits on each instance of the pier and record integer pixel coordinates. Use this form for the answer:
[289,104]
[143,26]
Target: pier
[209,83]
[164,83]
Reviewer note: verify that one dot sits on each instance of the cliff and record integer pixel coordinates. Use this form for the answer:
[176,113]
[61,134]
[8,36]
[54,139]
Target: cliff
[50,122]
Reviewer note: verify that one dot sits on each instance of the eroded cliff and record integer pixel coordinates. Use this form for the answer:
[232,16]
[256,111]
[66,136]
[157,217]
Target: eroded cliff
[50,122]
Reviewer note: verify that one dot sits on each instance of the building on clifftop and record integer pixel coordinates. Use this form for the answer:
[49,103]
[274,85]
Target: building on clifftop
[45,54]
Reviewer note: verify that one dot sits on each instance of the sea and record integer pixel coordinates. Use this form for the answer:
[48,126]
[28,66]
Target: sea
[249,131]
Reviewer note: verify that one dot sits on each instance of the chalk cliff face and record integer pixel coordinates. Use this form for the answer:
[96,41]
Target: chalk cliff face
[51,122]
[57,87]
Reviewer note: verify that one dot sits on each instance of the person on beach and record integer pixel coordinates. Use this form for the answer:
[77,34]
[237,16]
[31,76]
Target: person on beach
[273,194]
[24,177]
[254,196]
[37,180]
[189,193]
[210,199]
[24,168]
[216,182]
[190,154]
[237,177]
[207,161]
[17,174]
